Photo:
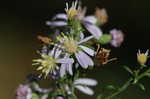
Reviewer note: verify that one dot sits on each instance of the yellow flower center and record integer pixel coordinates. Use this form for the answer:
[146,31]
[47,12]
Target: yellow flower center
[142,58]
[71,13]
[47,65]
[70,45]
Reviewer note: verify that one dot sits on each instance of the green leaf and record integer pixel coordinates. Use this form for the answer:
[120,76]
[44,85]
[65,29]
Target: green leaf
[128,69]
[110,87]
[105,39]
[147,74]
[35,96]
[141,86]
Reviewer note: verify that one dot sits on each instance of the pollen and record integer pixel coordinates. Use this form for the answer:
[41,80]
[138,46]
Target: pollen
[71,13]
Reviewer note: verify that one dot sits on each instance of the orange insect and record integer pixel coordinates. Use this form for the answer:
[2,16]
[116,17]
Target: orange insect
[44,39]
[103,55]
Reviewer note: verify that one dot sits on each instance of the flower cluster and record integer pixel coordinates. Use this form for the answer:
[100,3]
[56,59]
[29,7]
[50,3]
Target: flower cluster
[70,51]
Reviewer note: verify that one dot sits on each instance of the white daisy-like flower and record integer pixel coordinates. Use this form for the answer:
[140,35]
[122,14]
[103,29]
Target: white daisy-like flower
[49,63]
[77,12]
[74,47]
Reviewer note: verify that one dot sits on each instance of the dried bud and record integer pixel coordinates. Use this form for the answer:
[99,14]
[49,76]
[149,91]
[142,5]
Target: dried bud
[103,56]
[101,15]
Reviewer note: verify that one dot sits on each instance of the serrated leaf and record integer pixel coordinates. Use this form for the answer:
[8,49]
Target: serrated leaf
[128,69]
[141,86]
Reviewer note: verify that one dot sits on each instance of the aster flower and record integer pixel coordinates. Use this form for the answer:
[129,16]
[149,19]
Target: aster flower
[49,63]
[117,37]
[74,47]
[23,92]
[142,57]
[78,13]
[83,83]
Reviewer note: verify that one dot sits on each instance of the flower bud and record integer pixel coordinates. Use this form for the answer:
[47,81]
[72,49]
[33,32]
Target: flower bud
[142,57]
[105,38]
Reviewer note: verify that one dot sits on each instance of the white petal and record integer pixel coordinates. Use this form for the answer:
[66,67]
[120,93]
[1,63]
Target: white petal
[56,23]
[86,59]
[85,89]
[29,95]
[86,81]
[90,19]
[51,53]
[85,39]
[63,70]
[81,60]
[146,54]
[81,36]
[76,65]
[57,52]
[94,30]
[44,49]
[65,60]
[59,97]
[60,16]
[69,69]
[139,52]
[87,50]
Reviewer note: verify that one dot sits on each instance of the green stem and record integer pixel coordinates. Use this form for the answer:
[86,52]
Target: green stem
[143,74]
[124,87]
[137,74]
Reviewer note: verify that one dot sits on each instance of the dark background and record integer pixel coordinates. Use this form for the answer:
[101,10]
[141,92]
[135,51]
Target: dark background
[22,20]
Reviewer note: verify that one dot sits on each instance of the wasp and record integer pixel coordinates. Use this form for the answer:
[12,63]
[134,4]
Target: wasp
[102,55]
